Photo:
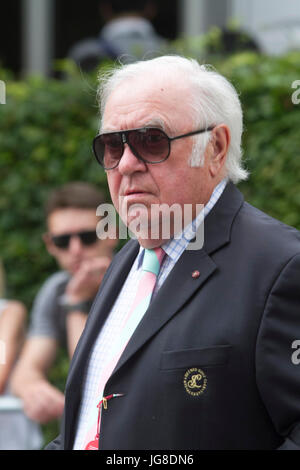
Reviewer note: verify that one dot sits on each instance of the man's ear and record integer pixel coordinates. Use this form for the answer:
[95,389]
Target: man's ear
[48,243]
[219,144]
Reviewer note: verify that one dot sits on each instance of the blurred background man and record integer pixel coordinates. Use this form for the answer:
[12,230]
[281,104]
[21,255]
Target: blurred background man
[128,33]
[62,304]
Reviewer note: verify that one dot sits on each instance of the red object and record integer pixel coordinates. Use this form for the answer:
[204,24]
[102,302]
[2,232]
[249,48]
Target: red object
[94,445]
[195,274]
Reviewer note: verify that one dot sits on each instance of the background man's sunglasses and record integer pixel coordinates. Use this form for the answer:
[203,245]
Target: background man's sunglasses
[149,144]
[62,241]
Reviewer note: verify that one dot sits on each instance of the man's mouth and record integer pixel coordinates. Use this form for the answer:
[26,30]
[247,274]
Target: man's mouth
[130,192]
[135,194]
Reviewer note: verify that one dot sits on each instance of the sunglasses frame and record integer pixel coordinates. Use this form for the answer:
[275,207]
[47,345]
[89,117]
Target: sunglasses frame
[124,140]
[70,235]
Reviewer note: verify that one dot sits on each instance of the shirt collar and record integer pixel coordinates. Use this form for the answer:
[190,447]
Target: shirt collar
[175,246]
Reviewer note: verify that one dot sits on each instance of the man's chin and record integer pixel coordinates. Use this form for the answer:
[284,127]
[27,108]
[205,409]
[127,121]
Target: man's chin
[74,268]
[150,244]
[148,231]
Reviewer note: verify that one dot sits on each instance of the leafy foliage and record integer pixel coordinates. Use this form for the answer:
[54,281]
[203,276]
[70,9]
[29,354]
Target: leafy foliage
[271,139]
[46,131]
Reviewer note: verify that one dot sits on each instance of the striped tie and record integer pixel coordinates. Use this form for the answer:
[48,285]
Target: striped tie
[150,269]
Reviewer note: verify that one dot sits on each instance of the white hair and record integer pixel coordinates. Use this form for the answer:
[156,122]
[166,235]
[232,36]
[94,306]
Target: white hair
[213,100]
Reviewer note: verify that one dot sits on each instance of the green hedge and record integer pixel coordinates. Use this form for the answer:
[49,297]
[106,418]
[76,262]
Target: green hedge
[271,139]
[46,129]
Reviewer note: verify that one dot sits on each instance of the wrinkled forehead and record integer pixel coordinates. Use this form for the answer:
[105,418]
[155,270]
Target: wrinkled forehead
[159,101]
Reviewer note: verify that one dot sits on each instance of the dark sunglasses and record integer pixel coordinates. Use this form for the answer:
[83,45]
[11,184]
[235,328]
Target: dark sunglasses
[87,238]
[149,144]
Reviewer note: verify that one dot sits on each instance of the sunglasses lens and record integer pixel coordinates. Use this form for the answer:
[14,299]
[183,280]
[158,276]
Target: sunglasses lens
[88,238]
[108,149]
[151,144]
[61,241]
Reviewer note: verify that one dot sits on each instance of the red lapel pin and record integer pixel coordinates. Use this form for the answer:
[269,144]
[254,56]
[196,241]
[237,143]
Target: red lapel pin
[195,274]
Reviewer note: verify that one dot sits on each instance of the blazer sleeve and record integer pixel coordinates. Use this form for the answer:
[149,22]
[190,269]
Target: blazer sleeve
[278,376]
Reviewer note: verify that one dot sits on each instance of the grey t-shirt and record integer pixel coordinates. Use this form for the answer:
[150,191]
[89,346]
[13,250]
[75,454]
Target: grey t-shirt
[48,317]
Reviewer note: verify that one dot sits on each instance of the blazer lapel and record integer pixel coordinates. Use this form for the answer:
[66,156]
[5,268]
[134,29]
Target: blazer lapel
[180,282]
[101,307]
[175,292]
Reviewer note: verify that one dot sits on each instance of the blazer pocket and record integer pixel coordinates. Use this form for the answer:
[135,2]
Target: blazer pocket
[212,356]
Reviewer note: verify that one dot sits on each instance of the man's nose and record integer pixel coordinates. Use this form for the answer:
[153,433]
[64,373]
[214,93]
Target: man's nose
[129,163]
[75,245]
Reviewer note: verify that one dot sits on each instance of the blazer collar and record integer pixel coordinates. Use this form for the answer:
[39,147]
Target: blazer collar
[218,223]
[103,303]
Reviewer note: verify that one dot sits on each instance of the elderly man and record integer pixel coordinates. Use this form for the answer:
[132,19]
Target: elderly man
[201,358]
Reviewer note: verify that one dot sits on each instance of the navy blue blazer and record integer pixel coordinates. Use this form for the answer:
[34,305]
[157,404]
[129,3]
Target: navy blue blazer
[210,365]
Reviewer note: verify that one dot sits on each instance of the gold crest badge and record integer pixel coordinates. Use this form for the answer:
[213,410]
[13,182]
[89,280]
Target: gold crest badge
[195,381]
